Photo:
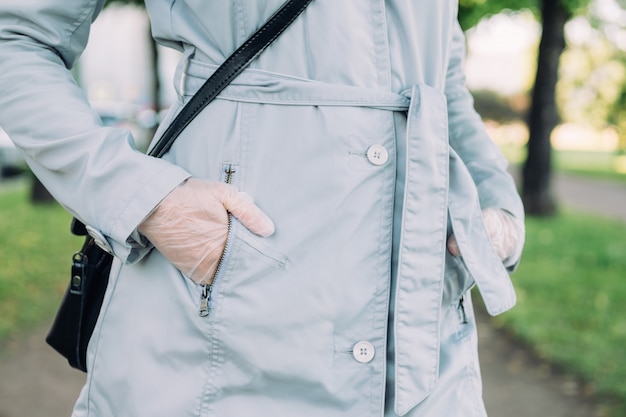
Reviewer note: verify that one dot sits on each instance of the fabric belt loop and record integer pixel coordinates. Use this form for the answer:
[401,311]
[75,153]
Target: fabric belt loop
[180,76]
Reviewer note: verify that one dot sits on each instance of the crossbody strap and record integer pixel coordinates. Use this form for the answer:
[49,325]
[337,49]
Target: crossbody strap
[232,67]
[222,76]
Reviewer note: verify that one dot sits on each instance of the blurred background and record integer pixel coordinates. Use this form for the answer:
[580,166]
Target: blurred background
[549,79]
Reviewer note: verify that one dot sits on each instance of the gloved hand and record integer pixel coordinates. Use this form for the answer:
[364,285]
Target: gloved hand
[503,231]
[190,226]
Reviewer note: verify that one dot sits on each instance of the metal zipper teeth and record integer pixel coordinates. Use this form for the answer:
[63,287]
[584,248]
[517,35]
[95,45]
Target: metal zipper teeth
[207,290]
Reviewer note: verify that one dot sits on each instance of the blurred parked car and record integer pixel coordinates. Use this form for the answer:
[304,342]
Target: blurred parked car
[11,161]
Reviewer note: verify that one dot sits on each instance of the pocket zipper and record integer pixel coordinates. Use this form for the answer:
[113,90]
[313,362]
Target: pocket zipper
[461,309]
[204,300]
[207,290]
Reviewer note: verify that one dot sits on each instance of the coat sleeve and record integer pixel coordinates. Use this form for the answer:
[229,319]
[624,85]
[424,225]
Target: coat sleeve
[469,138]
[95,172]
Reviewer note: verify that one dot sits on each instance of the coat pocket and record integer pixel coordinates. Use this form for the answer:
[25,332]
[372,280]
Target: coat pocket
[263,252]
[246,258]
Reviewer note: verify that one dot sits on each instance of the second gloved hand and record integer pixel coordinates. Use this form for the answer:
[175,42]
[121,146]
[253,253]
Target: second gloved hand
[505,235]
[190,226]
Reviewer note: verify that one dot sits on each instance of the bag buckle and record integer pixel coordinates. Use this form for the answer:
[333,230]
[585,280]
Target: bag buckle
[79,266]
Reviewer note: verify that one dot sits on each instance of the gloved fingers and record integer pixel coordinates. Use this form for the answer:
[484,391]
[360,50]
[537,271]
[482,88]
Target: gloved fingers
[503,230]
[241,205]
[190,226]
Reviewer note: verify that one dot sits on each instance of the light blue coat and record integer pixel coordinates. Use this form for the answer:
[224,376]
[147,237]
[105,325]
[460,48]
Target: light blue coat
[357,136]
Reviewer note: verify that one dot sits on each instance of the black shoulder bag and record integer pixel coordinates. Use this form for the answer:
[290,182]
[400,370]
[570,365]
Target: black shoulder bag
[79,310]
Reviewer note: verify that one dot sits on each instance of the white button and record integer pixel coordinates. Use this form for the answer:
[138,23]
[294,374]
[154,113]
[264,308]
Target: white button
[99,239]
[377,154]
[363,352]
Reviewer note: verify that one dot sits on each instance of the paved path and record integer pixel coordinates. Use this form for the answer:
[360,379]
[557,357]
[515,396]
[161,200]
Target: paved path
[605,198]
[36,382]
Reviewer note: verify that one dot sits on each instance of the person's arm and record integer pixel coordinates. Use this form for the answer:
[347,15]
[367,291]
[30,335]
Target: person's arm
[93,171]
[484,160]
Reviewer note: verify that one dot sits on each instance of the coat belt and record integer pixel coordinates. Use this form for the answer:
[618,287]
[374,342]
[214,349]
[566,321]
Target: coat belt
[437,184]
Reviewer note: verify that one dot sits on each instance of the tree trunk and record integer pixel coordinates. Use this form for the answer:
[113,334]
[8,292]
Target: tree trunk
[543,116]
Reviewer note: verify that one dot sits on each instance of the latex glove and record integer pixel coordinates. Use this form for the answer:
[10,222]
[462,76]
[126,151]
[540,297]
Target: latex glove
[190,226]
[504,233]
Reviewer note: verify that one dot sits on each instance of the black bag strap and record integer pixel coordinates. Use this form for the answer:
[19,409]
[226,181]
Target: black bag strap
[232,67]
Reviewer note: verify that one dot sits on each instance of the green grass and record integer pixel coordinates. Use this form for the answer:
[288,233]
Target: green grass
[36,247]
[571,288]
[602,165]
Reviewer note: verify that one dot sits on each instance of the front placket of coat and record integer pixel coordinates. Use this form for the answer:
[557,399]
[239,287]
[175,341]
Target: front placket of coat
[422,249]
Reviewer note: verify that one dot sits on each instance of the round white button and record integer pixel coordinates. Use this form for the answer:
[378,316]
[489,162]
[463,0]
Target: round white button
[377,154]
[363,352]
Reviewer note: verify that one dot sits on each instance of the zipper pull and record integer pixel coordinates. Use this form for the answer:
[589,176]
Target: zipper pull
[462,310]
[204,300]
[230,171]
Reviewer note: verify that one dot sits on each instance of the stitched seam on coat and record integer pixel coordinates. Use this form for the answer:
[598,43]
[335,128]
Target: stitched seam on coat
[171,12]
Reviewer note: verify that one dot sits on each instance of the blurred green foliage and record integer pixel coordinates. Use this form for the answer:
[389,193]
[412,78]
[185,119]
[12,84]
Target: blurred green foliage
[472,11]
[591,90]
